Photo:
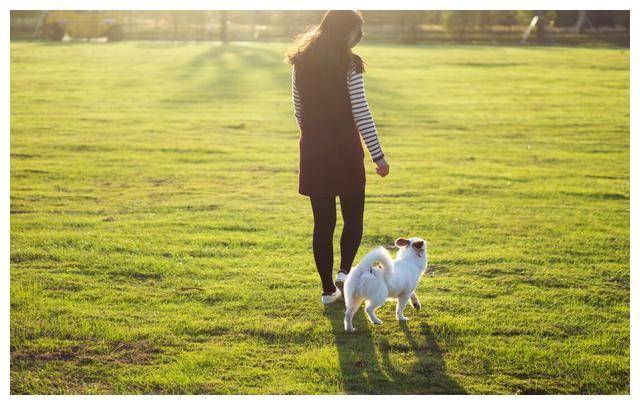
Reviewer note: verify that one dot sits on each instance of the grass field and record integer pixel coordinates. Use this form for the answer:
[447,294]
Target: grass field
[158,243]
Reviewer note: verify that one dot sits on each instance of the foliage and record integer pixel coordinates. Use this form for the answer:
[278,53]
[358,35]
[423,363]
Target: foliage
[459,22]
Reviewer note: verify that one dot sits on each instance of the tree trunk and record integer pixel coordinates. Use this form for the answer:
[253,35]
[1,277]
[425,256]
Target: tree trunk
[224,32]
[541,28]
[582,21]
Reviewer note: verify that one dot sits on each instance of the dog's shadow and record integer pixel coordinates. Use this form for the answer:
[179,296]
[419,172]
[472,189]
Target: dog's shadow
[367,359]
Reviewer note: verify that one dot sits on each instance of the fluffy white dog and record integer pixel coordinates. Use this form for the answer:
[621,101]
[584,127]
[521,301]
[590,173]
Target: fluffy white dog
[397,280]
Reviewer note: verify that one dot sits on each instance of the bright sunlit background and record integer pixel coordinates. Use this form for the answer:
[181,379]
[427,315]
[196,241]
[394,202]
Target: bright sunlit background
[508,26]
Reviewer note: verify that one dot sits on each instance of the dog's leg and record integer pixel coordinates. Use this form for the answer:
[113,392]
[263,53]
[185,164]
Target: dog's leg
[402,302]
[370,308]
[415,302]
[351,310]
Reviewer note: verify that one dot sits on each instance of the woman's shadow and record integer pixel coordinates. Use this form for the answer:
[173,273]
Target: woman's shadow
[367,361]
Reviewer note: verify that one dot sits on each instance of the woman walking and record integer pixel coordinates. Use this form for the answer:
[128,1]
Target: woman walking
[333,115]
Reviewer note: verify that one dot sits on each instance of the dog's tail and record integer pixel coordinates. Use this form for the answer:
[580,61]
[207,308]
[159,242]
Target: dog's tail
[356,284]
[378,254]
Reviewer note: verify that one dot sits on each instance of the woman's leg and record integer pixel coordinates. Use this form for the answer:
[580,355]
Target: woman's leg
[324,223]
[352,212]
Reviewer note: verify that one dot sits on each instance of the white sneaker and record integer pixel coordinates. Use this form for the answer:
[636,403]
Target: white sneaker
[340,279]
[329,299]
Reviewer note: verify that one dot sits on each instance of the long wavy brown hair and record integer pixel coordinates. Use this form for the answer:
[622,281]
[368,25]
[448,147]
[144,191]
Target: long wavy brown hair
[327,47]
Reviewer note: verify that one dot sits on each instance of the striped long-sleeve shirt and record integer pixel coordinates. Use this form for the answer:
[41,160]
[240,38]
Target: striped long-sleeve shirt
[359,108]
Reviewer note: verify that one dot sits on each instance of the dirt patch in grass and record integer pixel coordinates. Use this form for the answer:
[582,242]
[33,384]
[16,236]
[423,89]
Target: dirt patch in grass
[137,352]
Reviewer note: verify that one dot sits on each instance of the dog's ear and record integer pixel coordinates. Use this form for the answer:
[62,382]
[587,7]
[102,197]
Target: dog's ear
[418,245]
[402,242]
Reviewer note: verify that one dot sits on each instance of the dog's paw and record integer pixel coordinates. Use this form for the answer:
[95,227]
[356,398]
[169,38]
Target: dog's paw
[403,318]
[377,322]
[350,330]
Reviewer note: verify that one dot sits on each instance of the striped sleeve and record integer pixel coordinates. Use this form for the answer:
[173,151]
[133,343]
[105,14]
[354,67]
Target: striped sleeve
[362,115]
[296,98]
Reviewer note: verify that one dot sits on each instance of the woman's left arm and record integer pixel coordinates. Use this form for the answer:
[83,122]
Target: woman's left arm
[296,98]
[362,115]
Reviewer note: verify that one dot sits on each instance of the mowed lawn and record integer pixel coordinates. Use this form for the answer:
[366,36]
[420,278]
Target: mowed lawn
[158,243]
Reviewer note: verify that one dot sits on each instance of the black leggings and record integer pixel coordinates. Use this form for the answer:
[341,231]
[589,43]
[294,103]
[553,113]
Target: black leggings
[324,218]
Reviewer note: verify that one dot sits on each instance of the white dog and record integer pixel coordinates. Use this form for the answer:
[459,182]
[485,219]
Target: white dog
[397,280]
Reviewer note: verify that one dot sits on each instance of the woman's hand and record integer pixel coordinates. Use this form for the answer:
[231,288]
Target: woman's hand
[383,167]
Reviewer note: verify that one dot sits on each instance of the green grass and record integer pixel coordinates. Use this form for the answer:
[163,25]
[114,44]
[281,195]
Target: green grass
[158,243]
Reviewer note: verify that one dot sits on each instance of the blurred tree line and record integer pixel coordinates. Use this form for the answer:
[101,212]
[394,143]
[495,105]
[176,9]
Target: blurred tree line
[398,26]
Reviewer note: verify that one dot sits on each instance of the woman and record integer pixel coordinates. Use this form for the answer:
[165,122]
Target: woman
[332,112]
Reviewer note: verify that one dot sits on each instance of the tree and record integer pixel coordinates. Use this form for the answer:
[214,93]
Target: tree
[486,19]
[409,25]
[507,18]
[541,19]
[459,22]
[582,21]
[224,29]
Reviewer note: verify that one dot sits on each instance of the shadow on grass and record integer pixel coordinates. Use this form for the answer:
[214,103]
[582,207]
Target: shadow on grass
[221,71]
[367,367]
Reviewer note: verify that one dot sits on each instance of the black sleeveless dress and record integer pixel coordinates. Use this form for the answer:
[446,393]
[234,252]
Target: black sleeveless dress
[331,153]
